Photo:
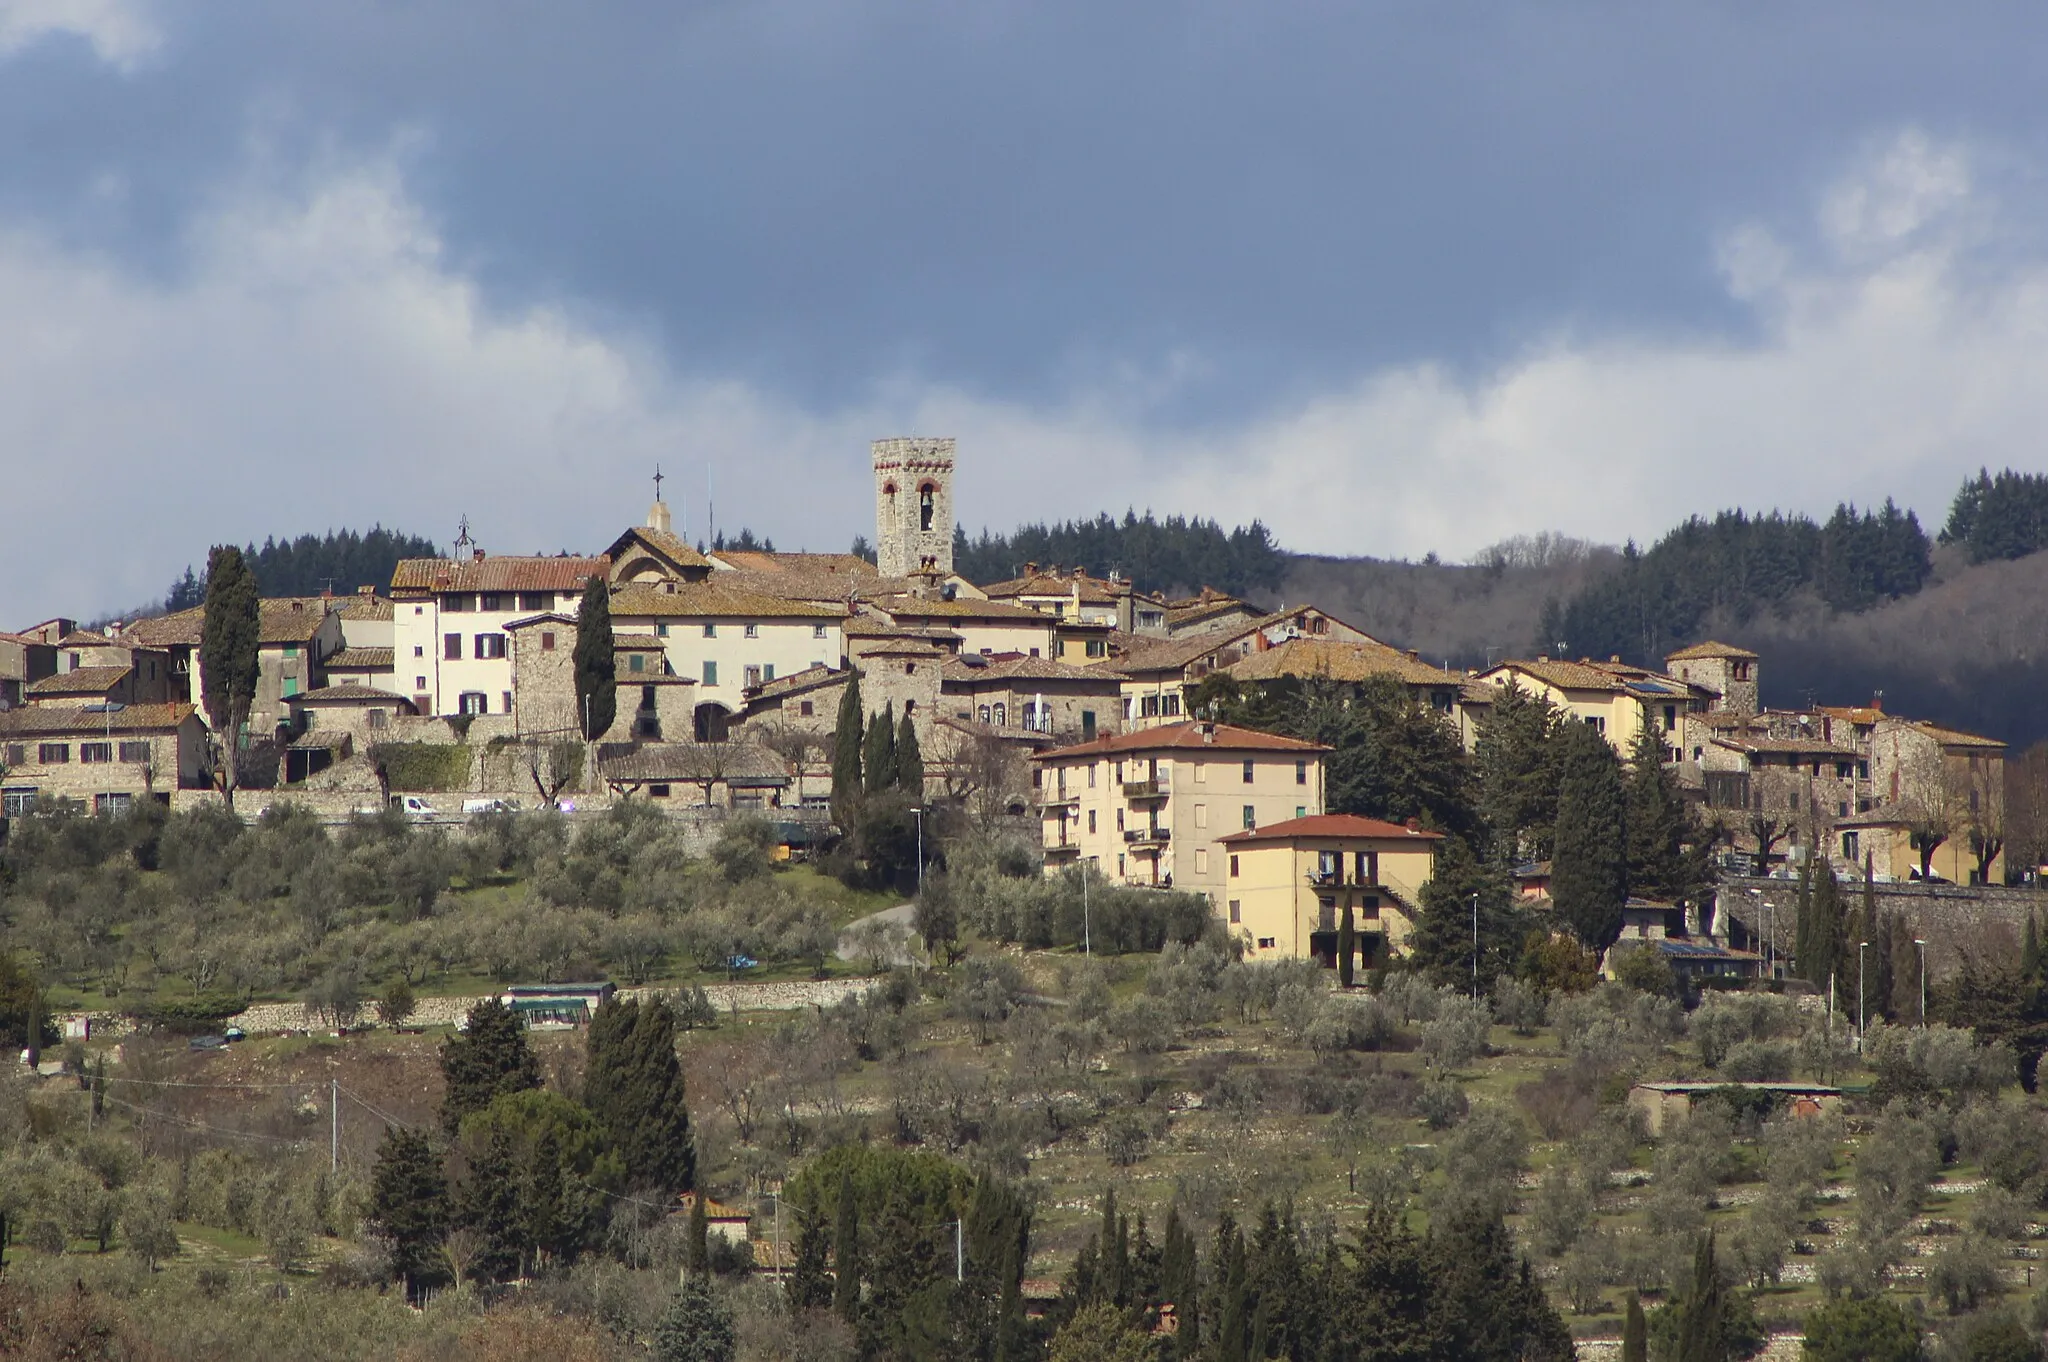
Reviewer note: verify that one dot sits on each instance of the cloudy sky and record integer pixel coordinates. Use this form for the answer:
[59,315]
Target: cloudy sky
[1393,277]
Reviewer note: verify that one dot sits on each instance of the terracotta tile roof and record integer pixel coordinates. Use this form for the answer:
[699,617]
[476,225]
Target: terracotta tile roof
[1339,661]
[796,683]
[60,720]
[712,600]
[82,681]
[85,638]
[1182,617]
[1852,714]
[636,643]
[1197,737]
[975,668]
[1177,654]
[907,646]
[279,620]
[347,691]
[496,573]
[1953,737]
[362,660]
[1053,585]
[798,584]
[665,545]
[798,564]
[1710,649]
[868,626]
[368,607]
[1330,825]
[1805,746]
[902,607]
[1560,674]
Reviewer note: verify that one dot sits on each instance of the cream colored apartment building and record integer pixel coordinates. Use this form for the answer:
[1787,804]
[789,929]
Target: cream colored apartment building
[1148,807]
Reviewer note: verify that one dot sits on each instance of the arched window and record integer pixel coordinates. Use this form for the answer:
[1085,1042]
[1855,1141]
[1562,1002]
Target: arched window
[1002,716]
[926,507]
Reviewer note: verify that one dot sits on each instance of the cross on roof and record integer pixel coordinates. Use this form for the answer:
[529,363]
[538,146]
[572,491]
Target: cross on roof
[657,482]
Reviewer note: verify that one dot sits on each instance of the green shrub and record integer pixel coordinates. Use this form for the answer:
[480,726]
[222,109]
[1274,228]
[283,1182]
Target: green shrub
[417,767]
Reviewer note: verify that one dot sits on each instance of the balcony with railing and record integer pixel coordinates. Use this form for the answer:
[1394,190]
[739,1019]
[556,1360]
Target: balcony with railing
[1143,789]
[1147,837]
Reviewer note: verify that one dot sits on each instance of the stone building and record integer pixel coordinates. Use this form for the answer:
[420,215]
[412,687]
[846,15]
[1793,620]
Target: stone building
[103,757]
[1073,704]
[913,506]
[453,650]
[296,636]
[1726,670]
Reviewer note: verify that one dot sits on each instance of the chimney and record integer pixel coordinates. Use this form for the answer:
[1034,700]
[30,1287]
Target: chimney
[476,555]
[1543,657]
[366,591]
[1415,825]
[1614,657]
[1415,655]
[1031,569]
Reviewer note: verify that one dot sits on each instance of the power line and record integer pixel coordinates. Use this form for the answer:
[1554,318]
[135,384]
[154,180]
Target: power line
[202,1125]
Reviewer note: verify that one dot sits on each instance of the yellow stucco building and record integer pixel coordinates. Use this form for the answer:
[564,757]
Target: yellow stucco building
[1287,885]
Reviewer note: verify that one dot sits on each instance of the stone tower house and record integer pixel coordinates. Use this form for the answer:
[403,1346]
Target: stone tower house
[1722,667]
[913,506]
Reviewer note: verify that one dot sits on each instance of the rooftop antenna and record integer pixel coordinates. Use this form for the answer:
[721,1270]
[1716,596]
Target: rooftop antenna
[462,539]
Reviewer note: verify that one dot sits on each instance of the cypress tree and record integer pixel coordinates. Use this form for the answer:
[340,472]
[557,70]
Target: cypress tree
[1657,825]
[549,1227]
[633,1085]
[230,639]
[596,662]
[1589,863]
[491,1207]
[1827,935]
[909,761]
[846,1268]
[1803,939]
[1233,1321]
[846,739]
[487,1058]
[1179,1284]
[1702,1315]
[1635,1333]
[878,756]
[2030,952]
[409,1203]
[810,1283]
[699,1242]
[697,1327]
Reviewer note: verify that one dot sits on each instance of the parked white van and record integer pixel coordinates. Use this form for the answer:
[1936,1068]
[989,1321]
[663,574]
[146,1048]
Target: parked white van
[413,806]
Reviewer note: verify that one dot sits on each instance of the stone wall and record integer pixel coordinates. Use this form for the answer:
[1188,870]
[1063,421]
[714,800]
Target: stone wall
[784,997]
[1944,915]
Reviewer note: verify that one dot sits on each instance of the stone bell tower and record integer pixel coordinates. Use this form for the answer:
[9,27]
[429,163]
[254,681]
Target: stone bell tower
[913,506]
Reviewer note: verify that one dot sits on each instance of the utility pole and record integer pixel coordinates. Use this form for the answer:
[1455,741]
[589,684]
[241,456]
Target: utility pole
[334,1119]
[1921,942]
[1087,942]
[1475,948]
[960,1250]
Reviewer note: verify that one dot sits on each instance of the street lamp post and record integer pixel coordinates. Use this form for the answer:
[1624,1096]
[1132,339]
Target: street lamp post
[1475,948]
[1921,942]
[1087,940]
[1763,906]
[919,815]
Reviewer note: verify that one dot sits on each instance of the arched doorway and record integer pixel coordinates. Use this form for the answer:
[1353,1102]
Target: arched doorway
[712,722]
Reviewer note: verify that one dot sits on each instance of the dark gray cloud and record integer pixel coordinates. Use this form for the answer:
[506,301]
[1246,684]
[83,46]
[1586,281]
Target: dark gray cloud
[1163,233]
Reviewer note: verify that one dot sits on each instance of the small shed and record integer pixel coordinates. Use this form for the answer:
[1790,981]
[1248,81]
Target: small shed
[721,1221]
[1664,1102]
[557,1004]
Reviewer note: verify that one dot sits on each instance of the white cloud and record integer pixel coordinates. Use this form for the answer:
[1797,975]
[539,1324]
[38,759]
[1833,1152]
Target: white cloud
[122,32]
[317,361]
